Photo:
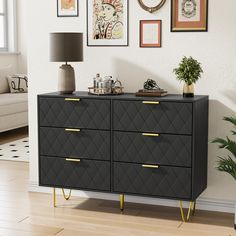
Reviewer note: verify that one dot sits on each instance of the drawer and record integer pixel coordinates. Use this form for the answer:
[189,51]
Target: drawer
[86,174]
[165,181]
[152,148]
[83,113]
[163,117]
[88,144]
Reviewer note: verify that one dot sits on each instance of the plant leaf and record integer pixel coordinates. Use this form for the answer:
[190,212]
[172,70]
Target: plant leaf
[222,142]
[231,119]
[227,165]
[189,70]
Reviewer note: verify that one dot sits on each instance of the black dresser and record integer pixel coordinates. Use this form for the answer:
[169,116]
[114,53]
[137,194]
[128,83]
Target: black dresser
[124,144]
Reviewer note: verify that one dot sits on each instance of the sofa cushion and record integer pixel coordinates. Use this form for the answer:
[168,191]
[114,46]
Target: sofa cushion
[11,103]
[4,87]
[18,83]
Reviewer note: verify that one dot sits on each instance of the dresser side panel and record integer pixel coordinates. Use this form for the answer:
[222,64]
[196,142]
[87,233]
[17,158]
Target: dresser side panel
[200,147]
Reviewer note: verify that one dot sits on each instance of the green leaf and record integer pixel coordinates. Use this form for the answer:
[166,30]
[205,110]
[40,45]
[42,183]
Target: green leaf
[231,147]
[189,70]
[227,165]
[223,143]
[227,143]
[231,120]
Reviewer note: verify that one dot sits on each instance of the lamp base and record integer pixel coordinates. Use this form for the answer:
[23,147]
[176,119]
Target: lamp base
[66,79]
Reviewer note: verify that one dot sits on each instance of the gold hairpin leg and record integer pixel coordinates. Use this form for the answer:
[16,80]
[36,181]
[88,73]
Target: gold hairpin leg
[194,208]
[64,195]
[191,209]
[54,197]
[122,198]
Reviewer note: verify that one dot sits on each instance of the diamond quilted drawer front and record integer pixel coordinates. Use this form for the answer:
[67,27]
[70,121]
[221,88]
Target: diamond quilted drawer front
[164,117]
[86,174]
[77,113]
[173,182]
[152,148]
[90,144]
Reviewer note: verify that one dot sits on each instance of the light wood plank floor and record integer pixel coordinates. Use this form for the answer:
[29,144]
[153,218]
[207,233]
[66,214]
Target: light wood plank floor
[32,214]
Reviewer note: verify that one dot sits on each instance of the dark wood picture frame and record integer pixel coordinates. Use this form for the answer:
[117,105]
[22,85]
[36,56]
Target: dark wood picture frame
[142,44]
[200,25]
[68,15]
[89,44]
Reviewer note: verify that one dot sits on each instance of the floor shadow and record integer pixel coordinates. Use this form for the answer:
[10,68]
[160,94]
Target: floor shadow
[155,212]
[12,135]
[231,93]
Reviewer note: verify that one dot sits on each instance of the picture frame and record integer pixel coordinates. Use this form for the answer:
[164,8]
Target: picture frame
[189,15]
[150,33]
[107,23]
[67,8]
[152,9]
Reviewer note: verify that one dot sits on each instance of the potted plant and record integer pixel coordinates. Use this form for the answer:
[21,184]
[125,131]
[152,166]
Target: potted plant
[228,164]
[189,71]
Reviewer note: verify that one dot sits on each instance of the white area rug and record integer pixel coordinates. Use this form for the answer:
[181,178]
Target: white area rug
[15,151]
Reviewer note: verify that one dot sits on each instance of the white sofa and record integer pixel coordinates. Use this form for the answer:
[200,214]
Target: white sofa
[13,106]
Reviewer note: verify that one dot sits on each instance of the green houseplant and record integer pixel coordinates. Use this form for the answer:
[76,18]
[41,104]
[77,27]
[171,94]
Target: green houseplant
[189,71]
[228,164]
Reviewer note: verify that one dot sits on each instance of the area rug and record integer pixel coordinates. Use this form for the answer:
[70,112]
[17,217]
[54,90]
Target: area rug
[15,151]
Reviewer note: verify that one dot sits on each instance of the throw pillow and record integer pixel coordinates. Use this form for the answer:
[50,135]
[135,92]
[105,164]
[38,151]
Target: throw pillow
[18,83]
[4,87]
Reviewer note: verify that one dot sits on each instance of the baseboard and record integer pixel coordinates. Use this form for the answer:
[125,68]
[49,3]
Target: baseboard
[206,204]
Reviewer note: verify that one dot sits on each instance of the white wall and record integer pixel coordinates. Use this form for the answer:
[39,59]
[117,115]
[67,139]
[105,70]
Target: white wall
[7,60]
[18,60]
[215,49]
[22,33]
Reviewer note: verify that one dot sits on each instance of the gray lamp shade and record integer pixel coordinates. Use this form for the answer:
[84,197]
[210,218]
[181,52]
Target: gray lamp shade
[66,47]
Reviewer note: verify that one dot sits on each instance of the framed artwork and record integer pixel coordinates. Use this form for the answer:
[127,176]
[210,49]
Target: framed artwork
[67,8]
[107,22]
[154,7]
[189,15]
[150,33]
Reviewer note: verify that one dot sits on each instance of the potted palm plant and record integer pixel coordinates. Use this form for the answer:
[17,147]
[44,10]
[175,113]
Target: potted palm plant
[189,71]
[228,164]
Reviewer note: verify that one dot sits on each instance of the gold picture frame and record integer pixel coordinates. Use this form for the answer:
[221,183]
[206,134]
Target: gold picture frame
[151,9]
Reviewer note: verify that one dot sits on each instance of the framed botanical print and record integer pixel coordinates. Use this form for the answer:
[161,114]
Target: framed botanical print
[189,15]
[67,8]
[107,22]
[150,33]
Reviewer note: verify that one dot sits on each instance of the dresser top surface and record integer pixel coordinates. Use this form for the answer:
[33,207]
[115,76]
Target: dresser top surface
[126,96]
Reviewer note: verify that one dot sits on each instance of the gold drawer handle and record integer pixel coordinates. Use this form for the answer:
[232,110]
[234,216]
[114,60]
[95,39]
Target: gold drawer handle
[72,160]
[150,134]
[151,102]
[72,99]
[72,130]
[151,166]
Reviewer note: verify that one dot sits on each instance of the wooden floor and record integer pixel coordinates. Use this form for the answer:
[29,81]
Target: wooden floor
[32,214]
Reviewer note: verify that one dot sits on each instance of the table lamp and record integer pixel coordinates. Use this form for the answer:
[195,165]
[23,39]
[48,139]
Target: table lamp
[66,47]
